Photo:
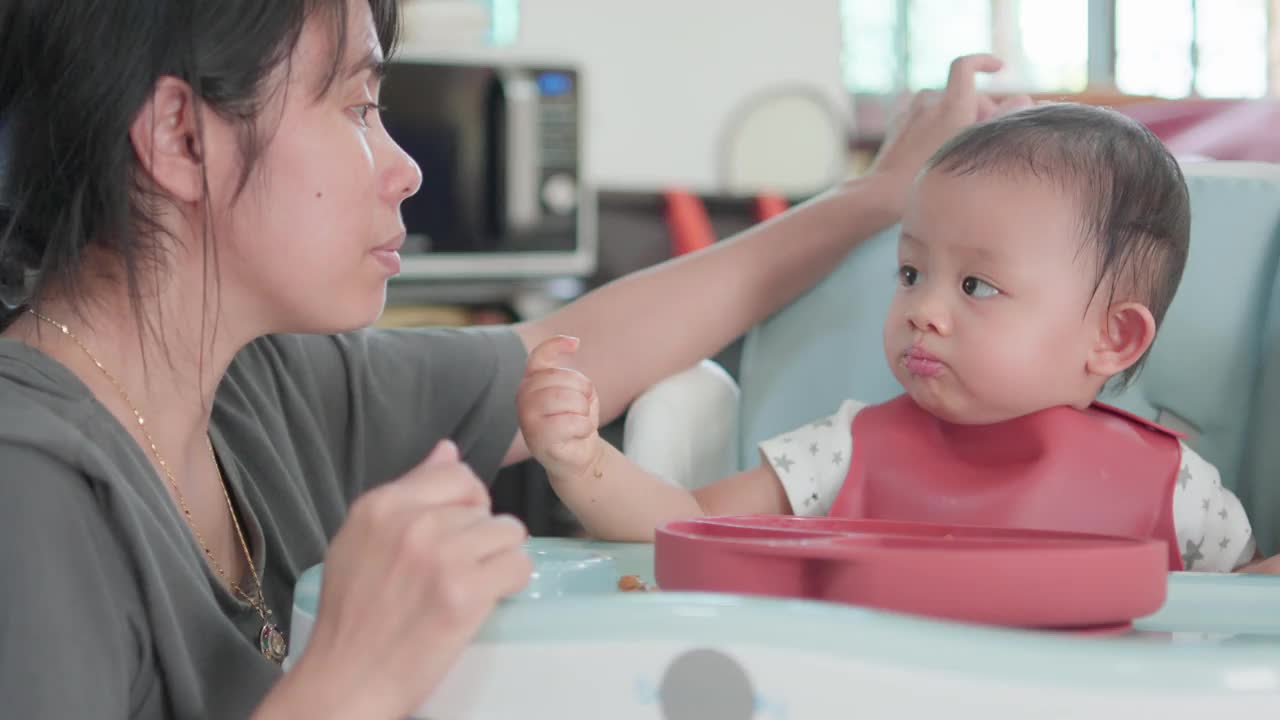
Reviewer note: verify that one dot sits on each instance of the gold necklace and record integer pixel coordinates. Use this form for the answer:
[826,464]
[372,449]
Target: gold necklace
[271,641]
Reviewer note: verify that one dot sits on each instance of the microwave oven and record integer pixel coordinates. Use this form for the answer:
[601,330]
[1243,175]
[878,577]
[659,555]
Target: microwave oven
[500,146]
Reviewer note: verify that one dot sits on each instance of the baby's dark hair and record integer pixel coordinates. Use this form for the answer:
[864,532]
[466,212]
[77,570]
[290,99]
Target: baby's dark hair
[1136,211]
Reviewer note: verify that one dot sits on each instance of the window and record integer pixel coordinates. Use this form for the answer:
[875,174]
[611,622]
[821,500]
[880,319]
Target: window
[1153,47]
[1214,48]
[1051,47]
[939,30]
[504,21]
[871,32]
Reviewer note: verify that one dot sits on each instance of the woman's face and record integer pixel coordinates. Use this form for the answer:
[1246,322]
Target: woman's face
[309,244]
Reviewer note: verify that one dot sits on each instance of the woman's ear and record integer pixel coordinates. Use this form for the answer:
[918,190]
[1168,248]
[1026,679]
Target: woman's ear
[166,138]
[1126,331]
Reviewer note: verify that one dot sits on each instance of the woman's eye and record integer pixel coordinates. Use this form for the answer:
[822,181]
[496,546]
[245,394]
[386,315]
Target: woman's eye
[974,287]
[908,275]
[362,111]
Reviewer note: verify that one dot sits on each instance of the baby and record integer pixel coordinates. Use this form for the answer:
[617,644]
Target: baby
[1038,255]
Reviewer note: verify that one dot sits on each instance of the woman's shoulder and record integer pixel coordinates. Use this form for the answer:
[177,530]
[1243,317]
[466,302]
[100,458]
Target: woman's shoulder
[445,345]
[50,423]
[38,395]
[288,369]
[30,372]
[71,557]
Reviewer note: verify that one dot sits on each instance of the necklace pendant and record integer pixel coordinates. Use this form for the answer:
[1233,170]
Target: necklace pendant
[272,643]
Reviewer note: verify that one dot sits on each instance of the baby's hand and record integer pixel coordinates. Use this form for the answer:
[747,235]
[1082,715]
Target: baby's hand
[559,412]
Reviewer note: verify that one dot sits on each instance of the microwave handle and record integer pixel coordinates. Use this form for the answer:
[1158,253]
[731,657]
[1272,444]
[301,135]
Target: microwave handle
[521,95]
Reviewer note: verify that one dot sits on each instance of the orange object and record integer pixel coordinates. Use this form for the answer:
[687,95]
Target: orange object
[688,223]
[690,226]
[770,205]
[631,583]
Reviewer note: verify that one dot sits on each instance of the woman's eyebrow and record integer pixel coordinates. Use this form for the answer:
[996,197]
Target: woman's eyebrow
[372,62]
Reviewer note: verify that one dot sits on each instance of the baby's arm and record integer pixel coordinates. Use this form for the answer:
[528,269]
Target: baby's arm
[618,500]
[1214,534]
[1269,566]
[614,498]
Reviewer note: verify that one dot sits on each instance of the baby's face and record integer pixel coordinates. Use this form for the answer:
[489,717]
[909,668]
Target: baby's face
[992,318]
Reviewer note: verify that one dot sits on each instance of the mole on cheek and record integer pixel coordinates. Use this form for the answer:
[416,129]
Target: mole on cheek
[319,195]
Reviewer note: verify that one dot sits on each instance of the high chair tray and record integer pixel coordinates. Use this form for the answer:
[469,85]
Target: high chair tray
[573,644]
[1017,578]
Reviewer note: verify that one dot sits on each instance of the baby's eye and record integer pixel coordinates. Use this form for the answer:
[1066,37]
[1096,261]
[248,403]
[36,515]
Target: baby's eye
[974,287]
[908,275]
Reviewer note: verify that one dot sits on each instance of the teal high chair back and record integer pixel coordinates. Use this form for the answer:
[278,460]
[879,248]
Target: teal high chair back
[1260,468]
[1206,374]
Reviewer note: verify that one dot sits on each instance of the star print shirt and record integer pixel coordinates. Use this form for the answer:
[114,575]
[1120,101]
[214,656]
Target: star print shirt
[1213,531]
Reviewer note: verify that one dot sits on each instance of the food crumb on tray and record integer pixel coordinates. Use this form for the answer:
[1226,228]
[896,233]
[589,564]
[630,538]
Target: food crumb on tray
[633,583]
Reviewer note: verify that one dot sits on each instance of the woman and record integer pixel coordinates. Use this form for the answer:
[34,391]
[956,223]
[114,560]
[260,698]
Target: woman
[203,211]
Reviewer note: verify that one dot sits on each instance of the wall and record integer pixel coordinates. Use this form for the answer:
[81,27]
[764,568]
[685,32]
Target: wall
[665,77]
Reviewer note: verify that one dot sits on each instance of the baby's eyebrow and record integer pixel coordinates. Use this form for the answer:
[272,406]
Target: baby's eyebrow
[978,252]
[974,253]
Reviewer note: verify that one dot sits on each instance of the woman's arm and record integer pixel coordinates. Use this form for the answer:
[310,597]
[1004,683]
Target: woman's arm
[653,323]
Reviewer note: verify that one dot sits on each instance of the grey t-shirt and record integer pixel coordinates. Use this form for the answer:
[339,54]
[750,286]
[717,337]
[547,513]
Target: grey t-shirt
[107,609]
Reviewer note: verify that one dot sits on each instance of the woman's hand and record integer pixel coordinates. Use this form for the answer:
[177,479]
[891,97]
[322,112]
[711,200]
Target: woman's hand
[932,117]
[409,579]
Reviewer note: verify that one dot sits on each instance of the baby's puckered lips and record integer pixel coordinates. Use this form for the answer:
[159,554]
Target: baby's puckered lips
[919,361]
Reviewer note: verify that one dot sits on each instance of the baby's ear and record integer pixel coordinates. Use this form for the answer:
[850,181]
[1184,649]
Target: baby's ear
[1124,334]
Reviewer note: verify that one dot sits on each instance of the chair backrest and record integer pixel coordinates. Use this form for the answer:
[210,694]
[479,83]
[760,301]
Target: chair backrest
[1203,376]
[752,160]
[1260,466]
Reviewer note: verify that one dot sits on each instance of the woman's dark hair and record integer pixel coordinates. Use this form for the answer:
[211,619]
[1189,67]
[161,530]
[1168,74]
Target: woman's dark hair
[74,74]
